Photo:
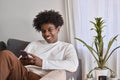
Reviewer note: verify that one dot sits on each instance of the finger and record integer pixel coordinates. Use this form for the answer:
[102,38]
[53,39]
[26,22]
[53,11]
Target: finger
[31,55]
[33,60]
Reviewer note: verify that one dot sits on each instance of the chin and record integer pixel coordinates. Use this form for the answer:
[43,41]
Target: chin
[48,41]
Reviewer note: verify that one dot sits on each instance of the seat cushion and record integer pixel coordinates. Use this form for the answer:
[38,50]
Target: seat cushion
[16,45]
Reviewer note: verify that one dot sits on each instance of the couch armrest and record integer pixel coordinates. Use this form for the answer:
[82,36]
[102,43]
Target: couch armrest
[2,46]
[76,75]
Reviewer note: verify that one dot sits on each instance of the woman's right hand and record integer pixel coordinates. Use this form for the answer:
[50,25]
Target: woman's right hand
[26,61]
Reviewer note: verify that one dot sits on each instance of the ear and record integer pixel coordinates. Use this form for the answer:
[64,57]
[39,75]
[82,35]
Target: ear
[58,28]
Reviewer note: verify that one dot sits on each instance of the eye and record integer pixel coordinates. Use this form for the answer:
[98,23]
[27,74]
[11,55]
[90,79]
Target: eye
[43,31]
[51,29]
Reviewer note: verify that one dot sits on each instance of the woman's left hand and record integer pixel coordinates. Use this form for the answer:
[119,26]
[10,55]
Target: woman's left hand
[36,60]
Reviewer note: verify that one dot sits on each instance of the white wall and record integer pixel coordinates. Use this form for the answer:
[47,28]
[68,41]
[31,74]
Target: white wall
[16,18]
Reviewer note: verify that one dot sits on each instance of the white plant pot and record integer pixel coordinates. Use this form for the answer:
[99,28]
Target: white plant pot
[113,78]
[89,78]
[101,72]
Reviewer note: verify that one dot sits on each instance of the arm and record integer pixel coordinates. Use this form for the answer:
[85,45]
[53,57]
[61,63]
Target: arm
[69,62]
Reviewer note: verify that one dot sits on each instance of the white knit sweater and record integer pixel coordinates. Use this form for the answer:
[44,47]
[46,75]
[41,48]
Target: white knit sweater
[59,55]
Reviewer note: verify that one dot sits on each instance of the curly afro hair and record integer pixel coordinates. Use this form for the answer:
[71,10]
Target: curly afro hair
[47,17]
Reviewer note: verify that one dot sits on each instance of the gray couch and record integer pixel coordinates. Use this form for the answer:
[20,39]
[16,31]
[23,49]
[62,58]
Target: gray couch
[16,45]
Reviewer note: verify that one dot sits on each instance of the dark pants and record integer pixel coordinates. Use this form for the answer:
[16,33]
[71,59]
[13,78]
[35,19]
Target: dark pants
[12,69]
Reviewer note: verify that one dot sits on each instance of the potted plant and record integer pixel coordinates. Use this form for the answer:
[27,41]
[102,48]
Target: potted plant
[98,46]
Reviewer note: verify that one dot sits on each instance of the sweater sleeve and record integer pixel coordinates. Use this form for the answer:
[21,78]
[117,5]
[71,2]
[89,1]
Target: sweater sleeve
[69,63]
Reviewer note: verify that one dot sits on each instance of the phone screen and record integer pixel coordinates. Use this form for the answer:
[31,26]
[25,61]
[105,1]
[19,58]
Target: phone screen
[23,53]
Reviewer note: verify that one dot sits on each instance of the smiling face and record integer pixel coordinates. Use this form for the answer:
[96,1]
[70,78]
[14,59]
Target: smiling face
[50,32]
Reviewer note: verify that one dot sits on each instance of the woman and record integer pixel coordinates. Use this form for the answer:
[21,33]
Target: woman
[45,57]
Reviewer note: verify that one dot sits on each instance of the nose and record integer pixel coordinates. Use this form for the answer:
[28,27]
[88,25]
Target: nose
[47,33]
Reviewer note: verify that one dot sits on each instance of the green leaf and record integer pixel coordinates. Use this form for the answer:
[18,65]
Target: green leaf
[111,53]
[98,43]
[109,46]
[88,47]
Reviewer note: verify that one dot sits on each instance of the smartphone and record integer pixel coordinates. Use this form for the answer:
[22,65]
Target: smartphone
[23,53]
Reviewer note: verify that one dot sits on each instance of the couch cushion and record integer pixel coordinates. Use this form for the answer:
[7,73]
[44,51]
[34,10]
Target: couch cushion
[16,45]
[2,46]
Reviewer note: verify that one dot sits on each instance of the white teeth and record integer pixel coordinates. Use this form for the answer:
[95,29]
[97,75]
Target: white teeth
[48,37]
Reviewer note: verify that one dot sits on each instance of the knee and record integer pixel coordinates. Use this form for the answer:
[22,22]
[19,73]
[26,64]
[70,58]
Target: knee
[8,55]
[55,75]
[58,72]
[61,71]
[5,52]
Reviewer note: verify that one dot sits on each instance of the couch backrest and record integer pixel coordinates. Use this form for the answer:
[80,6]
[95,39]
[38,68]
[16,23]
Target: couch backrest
[16,45]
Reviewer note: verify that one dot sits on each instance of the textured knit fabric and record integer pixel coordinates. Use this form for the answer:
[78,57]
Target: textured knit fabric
[55,56]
